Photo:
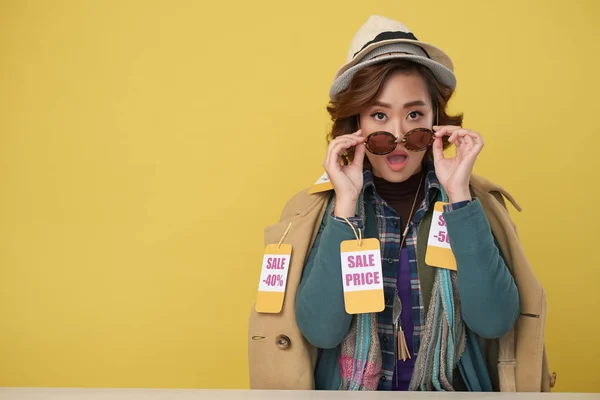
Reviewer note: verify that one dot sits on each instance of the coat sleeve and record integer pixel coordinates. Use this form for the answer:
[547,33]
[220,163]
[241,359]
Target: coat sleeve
[320,310]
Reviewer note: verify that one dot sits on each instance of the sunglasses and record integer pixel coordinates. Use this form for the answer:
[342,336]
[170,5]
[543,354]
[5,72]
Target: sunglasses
[381,142]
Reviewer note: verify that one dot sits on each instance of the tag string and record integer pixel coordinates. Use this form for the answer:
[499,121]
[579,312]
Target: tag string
[357,235]
[284,235]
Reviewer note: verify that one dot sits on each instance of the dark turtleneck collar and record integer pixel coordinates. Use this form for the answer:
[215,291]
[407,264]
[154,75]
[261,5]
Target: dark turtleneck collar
[393,192]
[401,196]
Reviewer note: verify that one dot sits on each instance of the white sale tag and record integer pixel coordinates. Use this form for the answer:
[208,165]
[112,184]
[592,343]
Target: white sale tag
[438,234]
[323,179]
[361,270]
[362,278]
[439,253]
[273,277]
[322,184]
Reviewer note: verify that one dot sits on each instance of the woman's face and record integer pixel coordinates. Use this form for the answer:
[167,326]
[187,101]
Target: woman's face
[403,104]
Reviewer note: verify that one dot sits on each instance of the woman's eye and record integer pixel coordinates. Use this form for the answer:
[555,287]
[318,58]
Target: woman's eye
[379,116]
[414,115]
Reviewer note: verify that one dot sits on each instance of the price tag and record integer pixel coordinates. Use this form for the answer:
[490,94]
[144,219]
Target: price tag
[439,253]
[362,276]
[322,184]
[273,278]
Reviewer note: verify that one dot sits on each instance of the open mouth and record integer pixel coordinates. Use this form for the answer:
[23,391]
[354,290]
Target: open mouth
[396,161]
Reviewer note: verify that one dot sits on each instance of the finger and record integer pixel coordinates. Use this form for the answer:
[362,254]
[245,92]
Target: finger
[438,149]
[440,131]
[459,133]
[479,143]
[475,143]
[332,150]
[466,132]
[336,150]
[354,137]
[477,139]
[338,147]
[470,137]
[468,141]
[359,156]
[349,140]
[453,132]
[453,138]
[474,135]
[445,130]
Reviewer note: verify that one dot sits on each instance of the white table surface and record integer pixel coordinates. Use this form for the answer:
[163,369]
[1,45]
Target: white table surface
[184,394]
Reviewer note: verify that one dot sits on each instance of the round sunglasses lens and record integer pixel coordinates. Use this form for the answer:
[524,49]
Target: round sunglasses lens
[381,143]
[418,139]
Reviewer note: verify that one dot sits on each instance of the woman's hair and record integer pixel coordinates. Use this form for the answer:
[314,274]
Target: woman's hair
[364,88]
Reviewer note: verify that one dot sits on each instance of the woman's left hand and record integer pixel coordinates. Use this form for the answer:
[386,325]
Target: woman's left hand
[455,173]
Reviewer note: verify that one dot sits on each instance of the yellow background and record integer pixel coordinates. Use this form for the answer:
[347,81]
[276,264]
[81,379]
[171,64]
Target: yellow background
[144,145]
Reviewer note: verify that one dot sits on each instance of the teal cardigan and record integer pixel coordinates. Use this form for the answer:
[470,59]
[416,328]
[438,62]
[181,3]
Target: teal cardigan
[489,296]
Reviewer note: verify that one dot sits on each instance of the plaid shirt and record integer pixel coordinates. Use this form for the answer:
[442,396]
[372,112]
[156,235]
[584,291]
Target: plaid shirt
[390,237]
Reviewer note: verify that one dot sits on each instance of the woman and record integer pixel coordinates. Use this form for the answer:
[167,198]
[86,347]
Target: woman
[386,185]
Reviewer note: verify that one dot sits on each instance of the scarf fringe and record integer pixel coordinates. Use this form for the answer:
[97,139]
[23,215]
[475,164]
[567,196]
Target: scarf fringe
[442,345]
[444,341]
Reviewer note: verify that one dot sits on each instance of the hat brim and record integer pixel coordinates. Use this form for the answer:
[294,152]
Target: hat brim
[434,53]
[441,71]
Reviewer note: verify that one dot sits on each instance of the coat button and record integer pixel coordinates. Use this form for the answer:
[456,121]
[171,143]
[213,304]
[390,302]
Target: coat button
[383,379]
[385,339]
[283,342]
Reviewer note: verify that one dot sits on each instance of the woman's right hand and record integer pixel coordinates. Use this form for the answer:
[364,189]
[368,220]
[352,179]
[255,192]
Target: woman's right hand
[347,180]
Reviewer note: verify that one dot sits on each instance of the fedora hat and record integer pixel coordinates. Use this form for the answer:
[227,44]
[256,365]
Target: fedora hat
[381,39]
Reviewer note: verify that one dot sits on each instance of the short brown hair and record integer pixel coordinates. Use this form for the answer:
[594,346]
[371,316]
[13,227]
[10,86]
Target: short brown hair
[365,87]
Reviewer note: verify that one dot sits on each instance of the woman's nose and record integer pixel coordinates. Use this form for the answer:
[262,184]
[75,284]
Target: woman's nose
[396,130]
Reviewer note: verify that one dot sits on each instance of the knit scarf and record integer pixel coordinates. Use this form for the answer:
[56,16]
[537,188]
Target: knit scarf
[442,344]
